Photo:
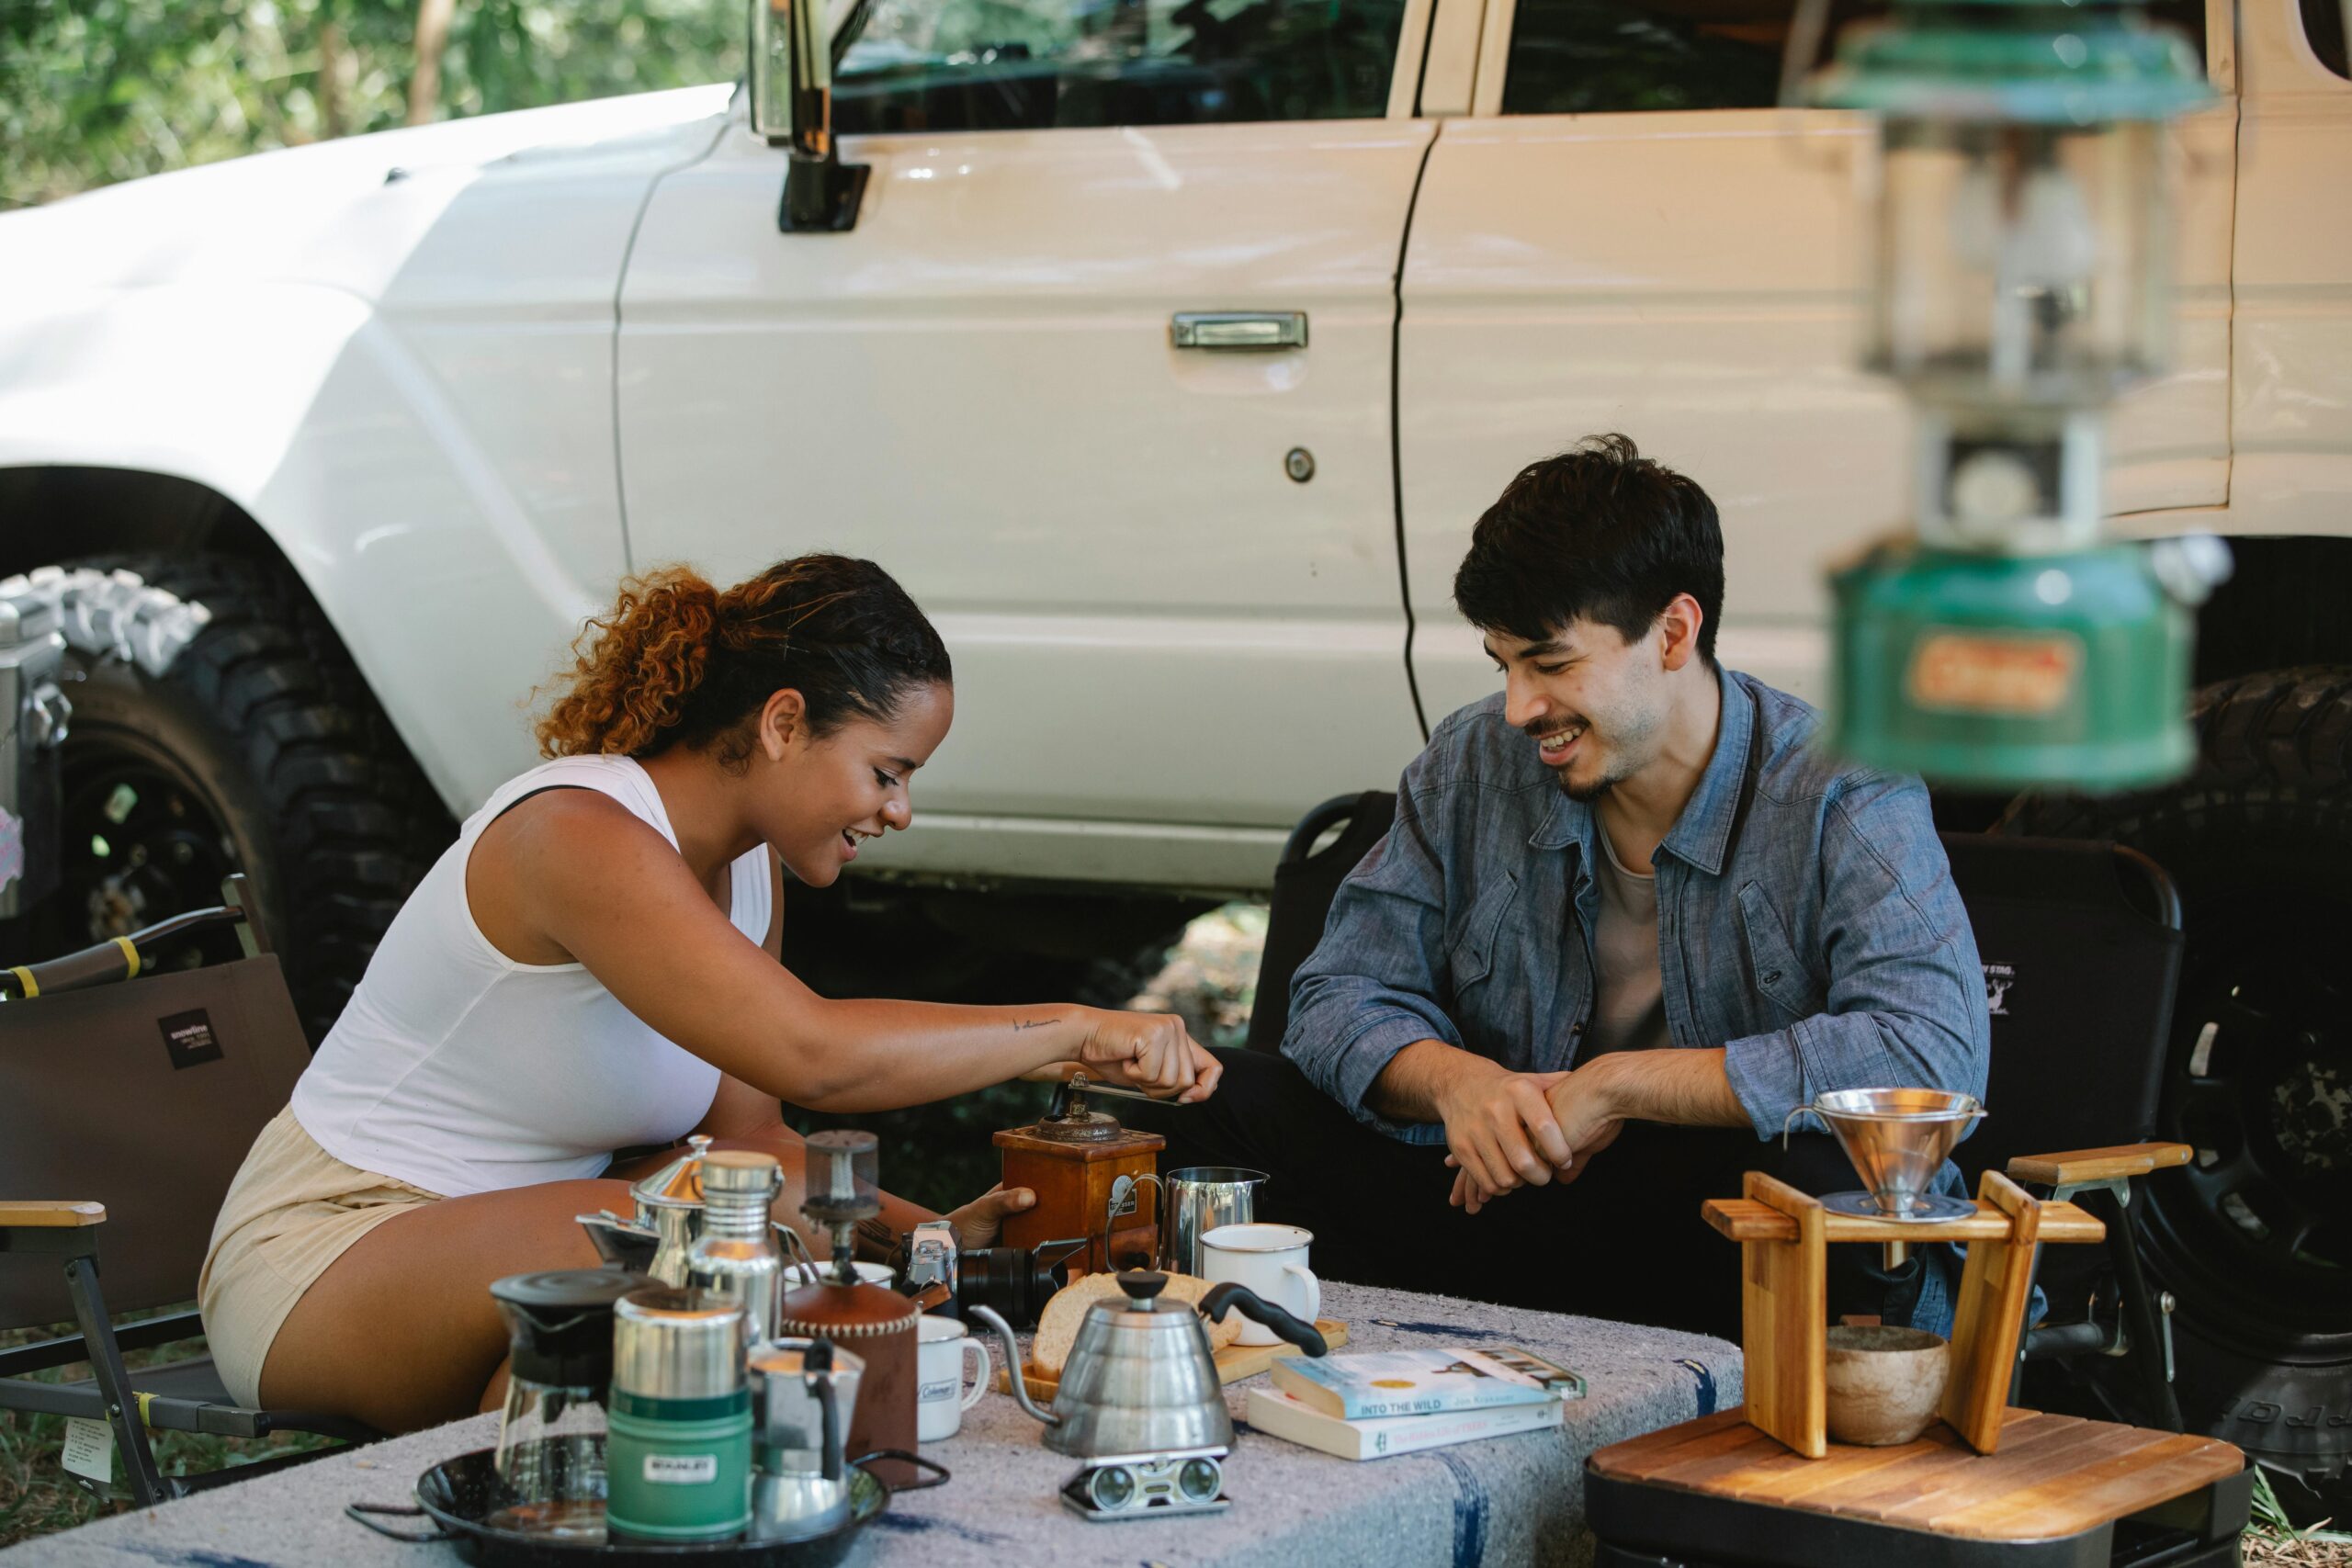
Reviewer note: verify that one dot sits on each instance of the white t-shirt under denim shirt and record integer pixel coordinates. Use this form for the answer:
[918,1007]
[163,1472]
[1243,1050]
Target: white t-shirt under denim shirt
[1628,998]
[458,1070]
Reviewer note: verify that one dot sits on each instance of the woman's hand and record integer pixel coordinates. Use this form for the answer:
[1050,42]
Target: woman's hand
[1149,1051]
[978,1222]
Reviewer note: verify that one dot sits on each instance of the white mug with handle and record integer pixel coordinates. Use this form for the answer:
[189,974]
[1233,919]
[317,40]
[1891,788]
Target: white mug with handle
[945,1353]
[1270,1260]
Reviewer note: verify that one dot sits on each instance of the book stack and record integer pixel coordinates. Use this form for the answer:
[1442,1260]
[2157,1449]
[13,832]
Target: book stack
[1373,1404]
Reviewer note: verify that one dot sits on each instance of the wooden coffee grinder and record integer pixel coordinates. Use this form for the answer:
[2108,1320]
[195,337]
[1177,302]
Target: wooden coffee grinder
[1093,1180]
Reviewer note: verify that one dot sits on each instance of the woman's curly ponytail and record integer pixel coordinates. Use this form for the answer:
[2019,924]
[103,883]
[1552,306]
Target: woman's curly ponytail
[678,662]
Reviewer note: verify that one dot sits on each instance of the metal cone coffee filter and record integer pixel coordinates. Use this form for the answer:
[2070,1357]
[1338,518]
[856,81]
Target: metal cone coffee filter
[1897,1138]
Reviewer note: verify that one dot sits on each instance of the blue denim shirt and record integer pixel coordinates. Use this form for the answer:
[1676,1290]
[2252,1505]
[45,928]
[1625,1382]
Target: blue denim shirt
[1807,923]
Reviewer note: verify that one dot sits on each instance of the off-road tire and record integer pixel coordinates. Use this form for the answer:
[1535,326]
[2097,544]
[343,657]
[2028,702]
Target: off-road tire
[2258,1074]
[272,757]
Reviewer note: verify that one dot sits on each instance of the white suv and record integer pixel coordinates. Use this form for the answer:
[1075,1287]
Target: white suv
[1168,356]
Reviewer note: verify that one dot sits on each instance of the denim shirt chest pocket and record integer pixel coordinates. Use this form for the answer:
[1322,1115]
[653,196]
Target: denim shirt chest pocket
[1773,967]
[1470,951]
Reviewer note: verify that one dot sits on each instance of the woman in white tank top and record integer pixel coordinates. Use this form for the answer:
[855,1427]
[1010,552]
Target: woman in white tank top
[593,965]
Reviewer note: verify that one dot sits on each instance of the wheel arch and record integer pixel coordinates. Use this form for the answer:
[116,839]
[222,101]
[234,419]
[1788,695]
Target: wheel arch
[121,510]
[294,423]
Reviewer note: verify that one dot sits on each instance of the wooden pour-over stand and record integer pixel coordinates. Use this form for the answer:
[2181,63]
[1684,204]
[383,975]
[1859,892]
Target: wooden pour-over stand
[1784,1306]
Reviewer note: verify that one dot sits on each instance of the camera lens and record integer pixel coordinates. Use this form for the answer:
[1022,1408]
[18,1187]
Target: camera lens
[1013,1280]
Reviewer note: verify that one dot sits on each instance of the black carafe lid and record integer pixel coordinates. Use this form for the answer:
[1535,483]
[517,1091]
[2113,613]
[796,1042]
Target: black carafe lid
[561,1323]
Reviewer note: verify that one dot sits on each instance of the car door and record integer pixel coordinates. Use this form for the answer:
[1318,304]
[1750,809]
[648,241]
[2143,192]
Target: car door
[1166,568]
[1623,234]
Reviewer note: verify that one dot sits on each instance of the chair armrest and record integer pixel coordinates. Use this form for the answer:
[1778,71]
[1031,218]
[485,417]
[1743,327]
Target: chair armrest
[2075,1166]
[50,1213]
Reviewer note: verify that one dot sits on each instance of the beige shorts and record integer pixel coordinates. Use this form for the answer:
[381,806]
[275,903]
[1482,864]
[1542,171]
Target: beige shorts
[289,1215]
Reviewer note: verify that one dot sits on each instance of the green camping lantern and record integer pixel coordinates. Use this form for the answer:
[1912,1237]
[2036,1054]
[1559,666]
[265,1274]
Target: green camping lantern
[2021,281]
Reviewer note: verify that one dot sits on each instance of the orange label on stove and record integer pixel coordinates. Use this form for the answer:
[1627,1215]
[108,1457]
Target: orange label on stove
[2022,677]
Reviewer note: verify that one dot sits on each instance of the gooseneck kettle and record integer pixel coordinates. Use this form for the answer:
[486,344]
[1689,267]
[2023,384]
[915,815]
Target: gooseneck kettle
[1141,1377]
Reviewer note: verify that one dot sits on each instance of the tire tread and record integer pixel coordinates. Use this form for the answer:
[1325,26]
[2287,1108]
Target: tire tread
[357,824]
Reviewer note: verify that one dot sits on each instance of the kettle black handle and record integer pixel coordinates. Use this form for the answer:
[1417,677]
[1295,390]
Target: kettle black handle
[1304,1335]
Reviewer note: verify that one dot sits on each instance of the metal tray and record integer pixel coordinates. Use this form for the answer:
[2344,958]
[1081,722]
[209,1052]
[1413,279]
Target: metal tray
[462,1496]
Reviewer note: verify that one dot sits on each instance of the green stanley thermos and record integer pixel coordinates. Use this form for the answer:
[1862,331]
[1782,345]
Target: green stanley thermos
[678,1457]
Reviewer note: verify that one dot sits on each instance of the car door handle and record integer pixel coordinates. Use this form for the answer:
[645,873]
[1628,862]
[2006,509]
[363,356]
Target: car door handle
[1224,329]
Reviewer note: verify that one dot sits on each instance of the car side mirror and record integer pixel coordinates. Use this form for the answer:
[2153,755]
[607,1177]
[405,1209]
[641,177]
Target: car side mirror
[792,105]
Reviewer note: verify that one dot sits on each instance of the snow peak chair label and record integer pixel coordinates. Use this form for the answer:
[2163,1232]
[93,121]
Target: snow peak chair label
[188,1036]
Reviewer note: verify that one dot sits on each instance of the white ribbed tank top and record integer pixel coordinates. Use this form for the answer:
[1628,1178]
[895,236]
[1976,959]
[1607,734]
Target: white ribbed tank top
[458,1070]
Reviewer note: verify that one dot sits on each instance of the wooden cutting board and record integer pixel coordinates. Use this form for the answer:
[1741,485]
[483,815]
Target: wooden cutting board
[1233,1363]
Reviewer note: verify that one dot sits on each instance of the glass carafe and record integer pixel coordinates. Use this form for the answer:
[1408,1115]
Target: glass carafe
[559,1369]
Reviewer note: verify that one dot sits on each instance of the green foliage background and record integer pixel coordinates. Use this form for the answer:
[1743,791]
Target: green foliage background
[95,91]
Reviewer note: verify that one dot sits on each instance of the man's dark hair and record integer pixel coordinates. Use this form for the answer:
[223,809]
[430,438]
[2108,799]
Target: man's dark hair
[1600,534]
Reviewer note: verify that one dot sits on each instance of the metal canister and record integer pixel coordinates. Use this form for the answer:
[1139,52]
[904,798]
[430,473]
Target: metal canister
[735,1258]
[678,1460]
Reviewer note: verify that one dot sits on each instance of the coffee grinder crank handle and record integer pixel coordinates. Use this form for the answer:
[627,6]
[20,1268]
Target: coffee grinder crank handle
[1070,1096]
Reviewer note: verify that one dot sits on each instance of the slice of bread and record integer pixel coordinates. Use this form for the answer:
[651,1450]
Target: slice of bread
[1058,1326]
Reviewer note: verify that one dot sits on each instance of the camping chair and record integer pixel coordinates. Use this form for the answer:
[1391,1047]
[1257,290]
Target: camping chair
[1307,878]
[137,1103]
[2081,946]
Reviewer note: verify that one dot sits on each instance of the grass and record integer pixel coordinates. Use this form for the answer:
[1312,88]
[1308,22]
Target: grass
[2272,1541]
[38,1497]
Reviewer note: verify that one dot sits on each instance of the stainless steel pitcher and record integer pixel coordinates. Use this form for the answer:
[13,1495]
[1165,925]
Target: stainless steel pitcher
[1196,1201]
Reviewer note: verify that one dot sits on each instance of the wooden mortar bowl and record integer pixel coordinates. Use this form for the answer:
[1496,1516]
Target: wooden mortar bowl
[1885,1383]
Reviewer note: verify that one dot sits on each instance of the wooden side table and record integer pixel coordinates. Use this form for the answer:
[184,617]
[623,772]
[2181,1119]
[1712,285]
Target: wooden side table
[2062,1492]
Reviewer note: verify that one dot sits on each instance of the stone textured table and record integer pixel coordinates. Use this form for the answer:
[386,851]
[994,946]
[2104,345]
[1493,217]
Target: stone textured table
[1505,1500]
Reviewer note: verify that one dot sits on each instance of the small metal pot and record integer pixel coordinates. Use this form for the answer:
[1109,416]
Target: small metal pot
[804,1394]
[668,1222]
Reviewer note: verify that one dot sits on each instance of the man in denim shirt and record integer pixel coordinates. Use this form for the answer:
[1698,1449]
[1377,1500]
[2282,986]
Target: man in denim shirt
[1625,902]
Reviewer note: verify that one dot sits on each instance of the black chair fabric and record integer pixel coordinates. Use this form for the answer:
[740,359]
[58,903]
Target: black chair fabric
[1306,881]
[2081,946]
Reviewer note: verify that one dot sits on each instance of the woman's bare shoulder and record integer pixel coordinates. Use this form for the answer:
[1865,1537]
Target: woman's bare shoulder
[554,849]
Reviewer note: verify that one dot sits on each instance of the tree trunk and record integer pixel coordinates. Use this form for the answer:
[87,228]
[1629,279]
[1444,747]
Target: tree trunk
[331,58]
[432,37]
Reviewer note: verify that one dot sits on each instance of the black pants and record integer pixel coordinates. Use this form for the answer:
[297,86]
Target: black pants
[1622,1241]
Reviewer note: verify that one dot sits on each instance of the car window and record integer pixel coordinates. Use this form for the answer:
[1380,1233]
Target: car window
[926,65]
[2323,27]
[1604,56]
